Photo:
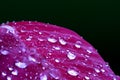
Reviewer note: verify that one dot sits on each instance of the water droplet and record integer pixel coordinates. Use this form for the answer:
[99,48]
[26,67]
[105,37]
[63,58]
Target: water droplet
[31,59]
[72,72]
[43,77]
[4,52]
[114,78]
[9,28]
[71,56]
[8,78]
[4,74]
[0,40]
[54,73]
[29,38]
[63,42]
[97,70]
[40,33]
[15,72]
[56,60]
[21,65]
[52,40]
[89,51]
[102,70]
[87,78]
[10,68]
[77,45]
[56,48]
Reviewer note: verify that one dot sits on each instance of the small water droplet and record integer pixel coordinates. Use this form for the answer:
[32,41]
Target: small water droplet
[4,74]
[114,78]
[4,52]
[77,45]
[21,65]
[102,70]
[56,60]
[10,68]
[40,33]
[15,72]
[97,70]
[54,73]
[8,78]
[29,38]
[87,78]
[62,42]
[56,47]
[71,56]
[31,59]
[43,77]
[40,39]
[72,72]
[89,51]
[52,40]
[0,40]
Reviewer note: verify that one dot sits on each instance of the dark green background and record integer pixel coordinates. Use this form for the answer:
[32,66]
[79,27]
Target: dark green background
[97,21]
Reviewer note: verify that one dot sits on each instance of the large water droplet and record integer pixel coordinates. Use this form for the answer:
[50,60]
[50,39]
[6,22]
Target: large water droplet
[21,65]
[71,56]
[63,42]
[4,52]
[52,40]
[72,72]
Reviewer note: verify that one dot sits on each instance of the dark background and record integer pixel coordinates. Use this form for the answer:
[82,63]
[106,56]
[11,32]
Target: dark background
[97,21]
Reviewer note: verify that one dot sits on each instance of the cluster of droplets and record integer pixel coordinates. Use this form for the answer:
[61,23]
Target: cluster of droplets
[53,72]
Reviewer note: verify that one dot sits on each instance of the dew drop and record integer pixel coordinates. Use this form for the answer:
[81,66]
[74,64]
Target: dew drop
[87,78]
[52,40]
[9,28]
[72,72]
[89,51]
[56,60]
[31,59]
[9,78]
[114,78]
[54,73]
[97,70]
[15,72]
[56,48]
[10,68]
[102,70]
[4,52]
[77,45]
[71,56]
[43,77]
[40,33]
[62,42]
[4,74]
[29,38]
[0,40]
[21,65]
